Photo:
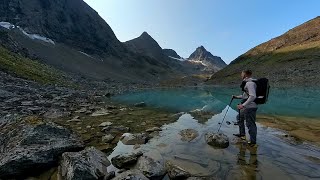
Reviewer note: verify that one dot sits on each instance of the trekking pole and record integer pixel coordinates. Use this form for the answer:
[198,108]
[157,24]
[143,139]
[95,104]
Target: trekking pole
[225,115]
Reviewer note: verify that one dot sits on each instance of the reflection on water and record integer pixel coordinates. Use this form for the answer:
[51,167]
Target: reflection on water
[274,158]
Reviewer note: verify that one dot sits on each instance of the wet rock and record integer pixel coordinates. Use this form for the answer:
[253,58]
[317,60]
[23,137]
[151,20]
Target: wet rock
[33,144]
[153,129]
[75,119]
[217,140]
[107,138]
[132,139]
[188,134]
[125,160]
[141,104]
[176,172]
[131,175]
[101,112]
[82,110]
[87,164]
[104,124]
[151,168]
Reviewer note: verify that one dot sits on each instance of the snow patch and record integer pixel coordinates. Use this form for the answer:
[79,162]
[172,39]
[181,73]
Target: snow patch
[7,25]
[37,37]
[198,62]
[179,59]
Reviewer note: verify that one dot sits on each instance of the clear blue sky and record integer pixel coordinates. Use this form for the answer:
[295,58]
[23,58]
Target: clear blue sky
[226,28]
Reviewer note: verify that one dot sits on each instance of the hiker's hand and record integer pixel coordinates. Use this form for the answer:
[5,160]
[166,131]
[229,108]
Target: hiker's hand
[240,106]
[234,97]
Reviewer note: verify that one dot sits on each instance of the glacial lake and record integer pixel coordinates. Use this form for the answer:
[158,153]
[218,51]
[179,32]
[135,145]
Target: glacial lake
[276,157]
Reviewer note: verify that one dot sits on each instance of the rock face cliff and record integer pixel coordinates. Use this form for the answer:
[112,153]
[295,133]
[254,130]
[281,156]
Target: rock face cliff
[291,59]
[205,58]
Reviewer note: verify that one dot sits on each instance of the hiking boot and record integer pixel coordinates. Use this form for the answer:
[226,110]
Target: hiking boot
[243,137]
[252,144]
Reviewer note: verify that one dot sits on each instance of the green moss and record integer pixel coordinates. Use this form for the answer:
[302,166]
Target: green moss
[29,69]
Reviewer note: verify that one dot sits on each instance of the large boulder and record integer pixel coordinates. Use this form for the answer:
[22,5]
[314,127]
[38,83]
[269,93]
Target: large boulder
[131,175]
[151,168]
[217,140]
[132,139]
[31,145]
[87,164]
[125,160]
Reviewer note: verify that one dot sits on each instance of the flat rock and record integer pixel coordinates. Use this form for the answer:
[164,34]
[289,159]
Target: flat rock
[131,175]
[153,129]
[176,172]
[217,140]
[104,124]
[82,110]
[107,138]
[132,139]
[115,129]
[125,160]
[151,168]
[188,134]
[86,164]
[32,144]
[101,112]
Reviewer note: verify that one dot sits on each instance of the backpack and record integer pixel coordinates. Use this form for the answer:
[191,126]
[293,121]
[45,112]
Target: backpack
[262,91]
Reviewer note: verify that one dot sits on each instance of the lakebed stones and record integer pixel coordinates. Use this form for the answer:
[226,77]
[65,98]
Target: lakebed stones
[141,104]
[104,124]
[87,164]
[151,168]
[150,130]
[188,134]
[217,140]
[33,144]
[125,160]
[133,139]
[131,175]
[176,172]
[115,129]
[101,112]
[107,138]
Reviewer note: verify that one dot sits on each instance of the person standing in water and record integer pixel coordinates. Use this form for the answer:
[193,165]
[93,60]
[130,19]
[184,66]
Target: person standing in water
[247,108]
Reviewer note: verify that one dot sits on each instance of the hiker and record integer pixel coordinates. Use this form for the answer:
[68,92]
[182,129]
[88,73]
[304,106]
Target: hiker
[247,108]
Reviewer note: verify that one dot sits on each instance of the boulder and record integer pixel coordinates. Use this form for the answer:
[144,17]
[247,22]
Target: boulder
[217,140]
[141,104]
[131,175]
[87,164]
[188,134]
[125,160]
[107,138]
[132,139]
[31,145]
[151,168]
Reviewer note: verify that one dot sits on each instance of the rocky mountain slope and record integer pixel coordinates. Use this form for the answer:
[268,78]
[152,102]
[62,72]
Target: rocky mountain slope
[291,59]
[172,54]
[204,59]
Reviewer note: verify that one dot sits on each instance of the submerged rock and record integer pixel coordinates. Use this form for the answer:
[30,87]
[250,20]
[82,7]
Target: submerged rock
[101,112]
[153,129]
[151,168]
[141,104]
[104,124]
[125,160]
[176,172]
[107,138]
[132,139]
[31,145]
[87,164]
[131,175]
[115,129]
[217,140]
[188,134]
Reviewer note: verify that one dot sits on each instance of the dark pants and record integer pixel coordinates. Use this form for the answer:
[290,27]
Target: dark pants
[248,115]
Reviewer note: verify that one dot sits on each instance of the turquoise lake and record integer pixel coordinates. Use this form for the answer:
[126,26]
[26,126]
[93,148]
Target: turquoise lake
[296,102]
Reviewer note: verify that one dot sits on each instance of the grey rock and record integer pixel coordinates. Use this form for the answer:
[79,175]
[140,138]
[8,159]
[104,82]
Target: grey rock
[82,110]
[141,104]
[188,134]
[132,139]
[151,168]
[26,146]
[55,113]
[217,140]
[125,160]
[27,103]
[101,112]
[87,164]
[115,129]
[107,138]
[153,129]
[104,124]
[131,175]
[176,172]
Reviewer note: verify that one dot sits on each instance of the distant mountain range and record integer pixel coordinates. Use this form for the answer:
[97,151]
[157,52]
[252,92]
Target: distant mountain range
[72,37]
[292,59]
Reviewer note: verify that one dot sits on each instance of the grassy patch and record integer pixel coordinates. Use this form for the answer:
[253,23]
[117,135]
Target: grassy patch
[29,69]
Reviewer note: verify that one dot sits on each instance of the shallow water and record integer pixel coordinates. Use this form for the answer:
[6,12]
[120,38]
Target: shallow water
[276,157]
